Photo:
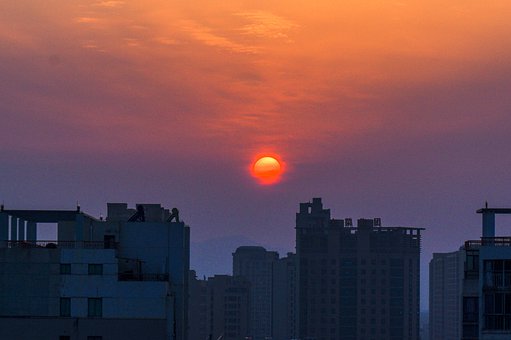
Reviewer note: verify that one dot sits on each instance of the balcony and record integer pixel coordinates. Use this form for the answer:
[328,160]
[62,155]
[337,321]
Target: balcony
[63,244]
[142,277]
[496,280]
[497,322]
[488,241]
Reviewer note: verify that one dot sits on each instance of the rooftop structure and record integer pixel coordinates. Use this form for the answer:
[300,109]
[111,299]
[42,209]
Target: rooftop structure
[125,277]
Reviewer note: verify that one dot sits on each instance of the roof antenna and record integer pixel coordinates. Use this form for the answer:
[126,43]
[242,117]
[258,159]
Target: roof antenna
[77,206]
[486,204]
[2,206]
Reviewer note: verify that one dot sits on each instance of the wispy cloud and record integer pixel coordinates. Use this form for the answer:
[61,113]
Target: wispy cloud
[166,41]
[131,42]
[206,36]
[266,25]
[86,20]
[110,4]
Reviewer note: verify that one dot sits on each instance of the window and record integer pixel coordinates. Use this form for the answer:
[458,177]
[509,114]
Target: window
[109,241]
[94,337]
[64,337]
[65,268]
[497,311]
[65,307]
[95,307]
[95,269]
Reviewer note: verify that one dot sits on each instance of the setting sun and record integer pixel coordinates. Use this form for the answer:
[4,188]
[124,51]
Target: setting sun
[267,170]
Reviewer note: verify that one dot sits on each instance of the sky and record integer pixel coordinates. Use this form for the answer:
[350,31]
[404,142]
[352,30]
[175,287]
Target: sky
[391,109]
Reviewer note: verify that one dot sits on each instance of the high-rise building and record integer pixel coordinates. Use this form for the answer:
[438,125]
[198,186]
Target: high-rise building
[355,282]
[125,277]
[219,308]
[446,272]
[480,307]
[487,283]
[255,264]
[199,309]
[284,298]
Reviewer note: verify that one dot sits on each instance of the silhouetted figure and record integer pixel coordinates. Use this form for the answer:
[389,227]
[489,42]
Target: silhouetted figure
[174,215]
[139,216]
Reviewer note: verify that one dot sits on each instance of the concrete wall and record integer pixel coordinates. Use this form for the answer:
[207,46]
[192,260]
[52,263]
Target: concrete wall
[29,281]
[12,328]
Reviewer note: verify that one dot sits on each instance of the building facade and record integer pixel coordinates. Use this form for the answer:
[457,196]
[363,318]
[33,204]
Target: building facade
[484,269]
[446,273]
[219,308]
[487,282]
[125,277]
[355,282]
[256,265]
[284,298]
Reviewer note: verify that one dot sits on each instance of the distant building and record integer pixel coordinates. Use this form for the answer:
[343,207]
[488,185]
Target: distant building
[199,310]
[219,308]
[284,298]
[256,265]
[123,278]
[355,282]
[446,272]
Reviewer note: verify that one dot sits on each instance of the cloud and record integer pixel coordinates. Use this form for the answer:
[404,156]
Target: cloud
[166,41]
[206,36]
[86,20]
[266,25]
[110,4]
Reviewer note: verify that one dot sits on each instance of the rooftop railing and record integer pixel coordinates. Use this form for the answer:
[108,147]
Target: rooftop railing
[62,244]
[489,241]
[142,277]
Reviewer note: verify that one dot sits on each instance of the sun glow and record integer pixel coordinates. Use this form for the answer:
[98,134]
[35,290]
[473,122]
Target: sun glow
[267,170]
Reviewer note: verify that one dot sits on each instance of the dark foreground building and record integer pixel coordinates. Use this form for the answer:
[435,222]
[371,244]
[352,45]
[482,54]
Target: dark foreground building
[122,278]
[475,299]
[355,282]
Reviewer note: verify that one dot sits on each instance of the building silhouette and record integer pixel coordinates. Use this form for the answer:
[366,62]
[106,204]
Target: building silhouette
[284,298]
[255,264]
[125,277]
[355,282]
[219,307]
[446,273]
[483,270]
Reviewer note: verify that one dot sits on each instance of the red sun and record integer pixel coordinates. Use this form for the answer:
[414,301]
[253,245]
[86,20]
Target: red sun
[267,170]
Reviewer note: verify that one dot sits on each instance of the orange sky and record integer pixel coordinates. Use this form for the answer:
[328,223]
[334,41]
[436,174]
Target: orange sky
[248,75]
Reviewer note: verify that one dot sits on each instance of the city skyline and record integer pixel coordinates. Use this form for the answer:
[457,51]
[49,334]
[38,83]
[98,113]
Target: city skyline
[389,110]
